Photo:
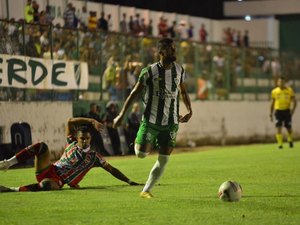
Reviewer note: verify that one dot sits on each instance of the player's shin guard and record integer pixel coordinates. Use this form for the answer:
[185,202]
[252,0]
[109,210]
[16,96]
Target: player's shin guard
[30,151]
[279,139]
[156,172]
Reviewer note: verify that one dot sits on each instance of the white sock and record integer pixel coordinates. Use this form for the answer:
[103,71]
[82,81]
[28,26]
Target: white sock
[12,161]
[156,172]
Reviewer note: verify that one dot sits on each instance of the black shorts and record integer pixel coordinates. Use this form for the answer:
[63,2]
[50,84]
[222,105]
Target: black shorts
[283,117]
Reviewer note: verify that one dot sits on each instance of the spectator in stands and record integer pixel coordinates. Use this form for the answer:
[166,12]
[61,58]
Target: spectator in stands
[12,28]
[42,18]
[102,24]
[33,47]
[97,142]
[234,38]
[228,36]
[143,28]
[83,17]
[69,16]
[111,113]
[36,13]
[219,81]
[48,16]
[44,40]
[275,69]
[172,30]
[92,24]
[28,12]
[150,28]
[190,32]
[162,27]
[131,74]
[203,34]
[137,24]
[123,24]
[132,125]
[93,112]
[109,23]
[246,39]
[131,25]
[239,39]
[182,31]
[121,82]
[109,78]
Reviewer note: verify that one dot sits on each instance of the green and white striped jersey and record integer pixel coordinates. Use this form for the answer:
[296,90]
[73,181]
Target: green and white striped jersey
[161,96]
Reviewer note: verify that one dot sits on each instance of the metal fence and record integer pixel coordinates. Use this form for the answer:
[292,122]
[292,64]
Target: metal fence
[214,71]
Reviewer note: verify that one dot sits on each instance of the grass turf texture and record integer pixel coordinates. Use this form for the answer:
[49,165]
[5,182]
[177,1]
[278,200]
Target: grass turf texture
[187,193]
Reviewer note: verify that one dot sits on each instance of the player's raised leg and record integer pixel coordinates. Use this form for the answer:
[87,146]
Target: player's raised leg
[39,150]
[42,161]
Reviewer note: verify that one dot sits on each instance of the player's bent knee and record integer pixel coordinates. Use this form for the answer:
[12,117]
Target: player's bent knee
[139,153]
[43,148]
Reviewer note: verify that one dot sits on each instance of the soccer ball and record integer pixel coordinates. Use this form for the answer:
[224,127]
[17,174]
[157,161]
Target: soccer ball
[230,191]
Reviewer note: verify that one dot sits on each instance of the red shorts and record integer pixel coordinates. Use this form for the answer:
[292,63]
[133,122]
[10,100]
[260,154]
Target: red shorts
[49,173]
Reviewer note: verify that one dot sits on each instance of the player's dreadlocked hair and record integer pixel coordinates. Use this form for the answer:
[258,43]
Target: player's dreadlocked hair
[164,43]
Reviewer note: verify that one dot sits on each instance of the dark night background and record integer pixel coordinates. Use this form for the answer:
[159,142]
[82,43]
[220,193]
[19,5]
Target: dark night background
[202,8]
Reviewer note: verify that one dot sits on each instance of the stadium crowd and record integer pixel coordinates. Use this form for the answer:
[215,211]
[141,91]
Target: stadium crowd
[118,56]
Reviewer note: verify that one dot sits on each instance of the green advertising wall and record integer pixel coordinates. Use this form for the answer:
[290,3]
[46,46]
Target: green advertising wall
[290,33]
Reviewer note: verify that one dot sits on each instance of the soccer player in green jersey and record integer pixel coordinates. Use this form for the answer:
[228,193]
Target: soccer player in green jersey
[161,83]
[77,159]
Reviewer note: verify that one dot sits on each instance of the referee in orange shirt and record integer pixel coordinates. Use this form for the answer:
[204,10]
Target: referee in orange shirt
[284,103]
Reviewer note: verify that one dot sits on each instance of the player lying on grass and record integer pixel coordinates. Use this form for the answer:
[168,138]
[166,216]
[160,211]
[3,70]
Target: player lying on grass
[73,165]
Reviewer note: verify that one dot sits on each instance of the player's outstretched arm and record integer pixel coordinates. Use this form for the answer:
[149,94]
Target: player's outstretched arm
[138,88]
[118,174]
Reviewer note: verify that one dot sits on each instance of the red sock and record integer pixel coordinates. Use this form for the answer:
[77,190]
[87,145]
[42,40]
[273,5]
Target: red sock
[31,187]
[30,151]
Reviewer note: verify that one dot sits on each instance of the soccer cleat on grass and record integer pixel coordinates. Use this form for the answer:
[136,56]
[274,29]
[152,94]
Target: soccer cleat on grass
[291,144]
[5,189]
[4,165]
[280,147]
[145,194]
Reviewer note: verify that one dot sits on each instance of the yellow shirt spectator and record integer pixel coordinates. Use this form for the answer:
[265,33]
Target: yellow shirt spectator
[28,12]
[92,22]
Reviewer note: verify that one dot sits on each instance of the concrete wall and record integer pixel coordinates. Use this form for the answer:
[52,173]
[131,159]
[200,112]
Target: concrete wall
[47,120]
[212,122]
[231,122]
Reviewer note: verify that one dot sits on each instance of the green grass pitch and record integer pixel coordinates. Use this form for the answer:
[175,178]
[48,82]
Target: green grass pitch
[186,194]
